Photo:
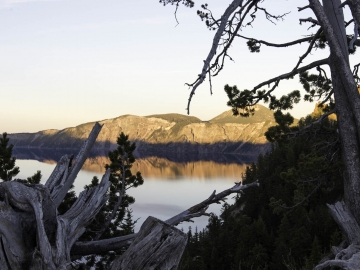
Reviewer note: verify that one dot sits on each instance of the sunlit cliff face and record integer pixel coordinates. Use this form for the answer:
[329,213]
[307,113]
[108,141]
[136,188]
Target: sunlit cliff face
[160,130]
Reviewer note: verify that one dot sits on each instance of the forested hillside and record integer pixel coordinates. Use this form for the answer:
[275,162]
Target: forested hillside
[284,223]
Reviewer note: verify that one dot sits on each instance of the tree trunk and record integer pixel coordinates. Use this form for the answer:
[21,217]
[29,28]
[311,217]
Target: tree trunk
[158,245]
[347,102]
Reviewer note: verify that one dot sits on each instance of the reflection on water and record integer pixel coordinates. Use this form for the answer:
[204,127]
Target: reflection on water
[155,167]
[159,196]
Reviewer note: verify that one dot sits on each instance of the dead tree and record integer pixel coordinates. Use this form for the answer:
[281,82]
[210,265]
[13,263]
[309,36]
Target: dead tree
[333,33]
[34,236]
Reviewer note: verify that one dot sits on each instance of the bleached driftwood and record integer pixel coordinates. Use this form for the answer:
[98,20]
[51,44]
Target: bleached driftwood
[65,173]
[33,234]
[158,245]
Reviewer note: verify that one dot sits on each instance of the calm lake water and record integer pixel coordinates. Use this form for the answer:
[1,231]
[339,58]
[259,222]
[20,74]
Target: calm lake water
[169,188]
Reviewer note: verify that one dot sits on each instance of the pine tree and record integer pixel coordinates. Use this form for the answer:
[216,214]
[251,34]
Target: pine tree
[35,179]
[274,225]
[127,225]
[111,220]
[7,162]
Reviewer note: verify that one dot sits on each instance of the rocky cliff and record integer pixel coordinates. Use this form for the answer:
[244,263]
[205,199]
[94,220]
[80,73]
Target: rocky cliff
[163,133]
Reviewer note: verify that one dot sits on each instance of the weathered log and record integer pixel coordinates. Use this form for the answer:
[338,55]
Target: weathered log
[32,234]
[157,246]
[351,263]
[346,221]
[72,224]
[64,174]
[102,246]
[12,247]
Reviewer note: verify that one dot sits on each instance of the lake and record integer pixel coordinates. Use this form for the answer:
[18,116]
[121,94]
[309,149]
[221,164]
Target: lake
[170,186]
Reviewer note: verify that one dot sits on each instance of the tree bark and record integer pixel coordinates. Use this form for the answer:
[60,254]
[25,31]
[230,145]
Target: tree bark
[65,173]
[346,222]
[347,99]
[157,246]
[32,234]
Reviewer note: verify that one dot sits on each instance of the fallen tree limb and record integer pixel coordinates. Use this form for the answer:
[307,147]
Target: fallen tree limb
[102,246]
[199,209]
[105,245]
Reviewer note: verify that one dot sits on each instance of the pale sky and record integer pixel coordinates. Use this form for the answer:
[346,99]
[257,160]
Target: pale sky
[67,62]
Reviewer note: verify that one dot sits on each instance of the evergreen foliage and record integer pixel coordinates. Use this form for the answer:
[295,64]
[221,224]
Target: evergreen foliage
[7,162]
[283,224]
[35,179]
[128,224]
[115,219]
[68,201]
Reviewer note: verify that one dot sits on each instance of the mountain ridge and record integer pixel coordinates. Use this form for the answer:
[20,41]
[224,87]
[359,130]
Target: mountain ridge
[163,132]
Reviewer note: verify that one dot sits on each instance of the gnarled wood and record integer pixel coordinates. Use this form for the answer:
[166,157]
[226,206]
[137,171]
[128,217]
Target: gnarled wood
[346,221]
[102,246]
[64,176]
[157,246]
[31,231]
[12,247]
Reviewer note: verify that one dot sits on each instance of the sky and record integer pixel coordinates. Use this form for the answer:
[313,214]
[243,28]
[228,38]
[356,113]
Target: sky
[68,62]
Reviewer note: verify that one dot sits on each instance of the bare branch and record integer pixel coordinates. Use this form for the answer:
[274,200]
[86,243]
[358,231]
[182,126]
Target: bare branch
[318,121]
[313,21]
[355,73]
[302,8]
[327,97]
[269,16]
[295,42]
[356,32]
[315,37]
[199,209]
[348,23]
[304,200]
[232,7]
[292,73]
[343,4]
[332,263]
[176,9]
[210,83]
